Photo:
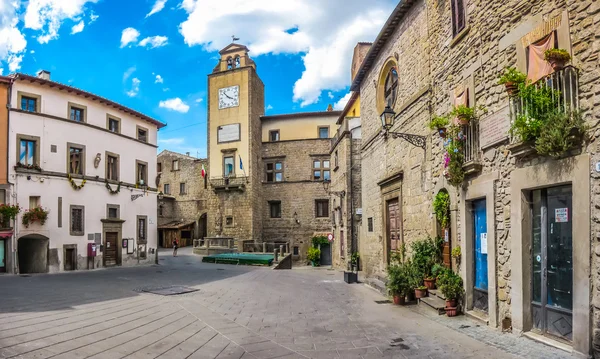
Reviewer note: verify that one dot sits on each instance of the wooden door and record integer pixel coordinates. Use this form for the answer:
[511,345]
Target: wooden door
[393,226]
[110,249]
[70,259]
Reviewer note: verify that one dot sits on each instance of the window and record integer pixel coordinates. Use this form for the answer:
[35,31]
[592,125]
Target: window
[142,230]
[182,188]
[335,159]
[159,167]
[175,165]
[321,170]
[76,113]
[370,224]
[77,221]
[228,166]
[28,104]
[237,62]
[114,125]
[167,188]
[34,202]
[275,209]
[458,16]
[323,132]
[27,152]
[229,221]
[160,210]
[391,87]
[296,250]
[274,172]
[142,134]
[76,159]
[322,208]
[274,135]
[112,211]
[2,196]
[142,173]
[112,166]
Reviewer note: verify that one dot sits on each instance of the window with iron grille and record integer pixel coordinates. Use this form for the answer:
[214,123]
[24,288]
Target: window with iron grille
[322,208]
[274,171]
[458,16]
[77,221]
[321,171]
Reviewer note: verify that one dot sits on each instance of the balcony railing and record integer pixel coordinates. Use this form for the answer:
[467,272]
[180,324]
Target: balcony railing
[564,86]
[226,183]
[471,147]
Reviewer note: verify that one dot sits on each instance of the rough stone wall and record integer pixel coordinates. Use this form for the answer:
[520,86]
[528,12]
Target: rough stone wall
[257,109]
[340,181]
[383,157]
[190,205]
[297,193]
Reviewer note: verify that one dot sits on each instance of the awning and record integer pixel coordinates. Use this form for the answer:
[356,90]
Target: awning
[176,225]
[6,233]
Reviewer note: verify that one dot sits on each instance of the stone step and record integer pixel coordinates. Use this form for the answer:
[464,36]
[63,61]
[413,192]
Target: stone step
[435,303]
[436,293]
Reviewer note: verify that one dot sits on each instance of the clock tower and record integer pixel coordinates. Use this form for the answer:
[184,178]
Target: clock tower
[235,104]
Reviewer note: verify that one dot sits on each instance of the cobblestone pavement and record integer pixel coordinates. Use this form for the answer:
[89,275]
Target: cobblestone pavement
[237,312]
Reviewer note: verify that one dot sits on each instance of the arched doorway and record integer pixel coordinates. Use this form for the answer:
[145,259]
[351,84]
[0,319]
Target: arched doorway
[441,207]
[32,251]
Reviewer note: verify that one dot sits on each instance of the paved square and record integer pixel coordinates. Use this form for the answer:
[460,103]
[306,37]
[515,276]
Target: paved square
[237,312]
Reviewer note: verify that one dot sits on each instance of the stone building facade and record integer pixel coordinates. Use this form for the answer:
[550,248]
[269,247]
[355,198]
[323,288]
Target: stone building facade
[441,58]
[185,196]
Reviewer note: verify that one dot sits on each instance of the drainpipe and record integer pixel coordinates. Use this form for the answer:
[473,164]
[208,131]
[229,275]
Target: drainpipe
[13,248]
[351,197]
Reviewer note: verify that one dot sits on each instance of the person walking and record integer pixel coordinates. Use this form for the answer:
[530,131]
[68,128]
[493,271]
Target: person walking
[175,245]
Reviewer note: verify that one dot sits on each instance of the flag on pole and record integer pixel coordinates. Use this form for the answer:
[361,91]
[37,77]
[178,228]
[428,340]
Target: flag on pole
[241,164]
[203,171]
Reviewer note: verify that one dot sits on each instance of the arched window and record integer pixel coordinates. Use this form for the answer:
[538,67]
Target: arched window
[391,87]
[229,63]
[237,62]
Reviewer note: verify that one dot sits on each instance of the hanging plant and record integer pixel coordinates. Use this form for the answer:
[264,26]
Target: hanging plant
[75,185]
[109,188]
[8,212]
[37,214]
[454,158]
[441,207]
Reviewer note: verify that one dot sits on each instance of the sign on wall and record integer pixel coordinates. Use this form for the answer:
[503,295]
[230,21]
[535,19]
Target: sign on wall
[494,128]
[228,133]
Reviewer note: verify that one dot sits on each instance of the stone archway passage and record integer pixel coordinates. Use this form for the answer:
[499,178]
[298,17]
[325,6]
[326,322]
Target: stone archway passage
[33,254]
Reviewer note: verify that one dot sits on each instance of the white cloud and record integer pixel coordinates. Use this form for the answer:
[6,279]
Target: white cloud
[128,36]
[158,6]
[154,41]
[32,52]
[174,104]
[12,41]
[47,16]
[342,102]
[324,32]
[199,100]
[330,94]
[78,28]
[269,107]
[93,17]
[172,141]
[128,73]
[166,89]
[135,87]
[159,80]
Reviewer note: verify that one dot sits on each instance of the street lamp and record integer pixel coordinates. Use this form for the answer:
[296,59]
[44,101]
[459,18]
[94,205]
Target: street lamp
[326,184]
[388,116]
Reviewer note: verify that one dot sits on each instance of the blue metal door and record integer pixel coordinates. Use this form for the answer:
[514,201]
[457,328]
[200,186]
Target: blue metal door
[481,258]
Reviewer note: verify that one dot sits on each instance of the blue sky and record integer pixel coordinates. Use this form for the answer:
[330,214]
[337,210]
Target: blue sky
[154,55]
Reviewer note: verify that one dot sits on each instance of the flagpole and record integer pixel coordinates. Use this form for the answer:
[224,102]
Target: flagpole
[242,168]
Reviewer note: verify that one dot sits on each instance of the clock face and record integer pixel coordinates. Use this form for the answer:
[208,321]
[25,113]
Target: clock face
[229,97]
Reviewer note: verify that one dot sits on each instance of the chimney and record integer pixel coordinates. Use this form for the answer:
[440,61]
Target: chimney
[43,74]
[329,108]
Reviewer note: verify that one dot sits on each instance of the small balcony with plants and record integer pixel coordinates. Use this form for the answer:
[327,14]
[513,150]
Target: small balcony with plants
[545,115]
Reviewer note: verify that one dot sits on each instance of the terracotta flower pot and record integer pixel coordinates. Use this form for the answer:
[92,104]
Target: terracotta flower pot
[399,299]
[429,283]
[556,64]
[512,89]
[462,120]
[450,303]
[442,132]
[452,312]
[420,293]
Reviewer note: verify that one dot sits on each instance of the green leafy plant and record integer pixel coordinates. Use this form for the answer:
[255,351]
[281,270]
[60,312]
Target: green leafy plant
[318,240]
[512,76]
[456,252]
[438,122]
[37,214]
[400,279]
[439,270]
[425,253]
[561,132]
[463,112]
[314,255]
[526,128]
[8,212]
[354,258]
[560,55]
[451,285]
[441,207]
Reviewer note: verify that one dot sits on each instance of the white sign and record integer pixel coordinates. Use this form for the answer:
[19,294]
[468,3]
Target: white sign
[597,166]
[228,133]
[494,128]
[330,237]
[446,235]
[484,243]
[359,211]
[561,215]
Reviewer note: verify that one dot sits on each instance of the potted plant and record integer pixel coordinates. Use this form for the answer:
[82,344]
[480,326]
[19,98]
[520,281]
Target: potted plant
[37,214]
[511,78]
[464,114]
[561,132]
[425,253]
[452,288]
[439,123]
[314,256]
[399,282]
[8,212]
[421,292]
[557,58]
[354,261]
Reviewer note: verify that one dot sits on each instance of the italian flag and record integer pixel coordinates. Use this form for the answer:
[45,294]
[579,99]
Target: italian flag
[203,171]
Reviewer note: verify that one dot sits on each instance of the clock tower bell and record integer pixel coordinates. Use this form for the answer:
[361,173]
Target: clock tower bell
[235,104]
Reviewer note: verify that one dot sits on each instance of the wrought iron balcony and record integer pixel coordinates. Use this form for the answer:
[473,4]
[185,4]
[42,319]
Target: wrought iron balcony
[229,183]
[471,147]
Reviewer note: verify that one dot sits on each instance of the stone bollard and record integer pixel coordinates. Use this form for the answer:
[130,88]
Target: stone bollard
[275,252]
[287,247]
[281,249]
[208,247]
[264,247]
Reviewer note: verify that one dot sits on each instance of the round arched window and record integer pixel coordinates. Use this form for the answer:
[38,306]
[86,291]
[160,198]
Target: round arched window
[391,87]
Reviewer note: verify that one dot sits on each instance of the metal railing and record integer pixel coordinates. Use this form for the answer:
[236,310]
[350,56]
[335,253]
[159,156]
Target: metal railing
[471,146]
[563,86]
[228,182]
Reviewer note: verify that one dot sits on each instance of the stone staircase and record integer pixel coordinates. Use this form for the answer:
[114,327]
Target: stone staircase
[435,301]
